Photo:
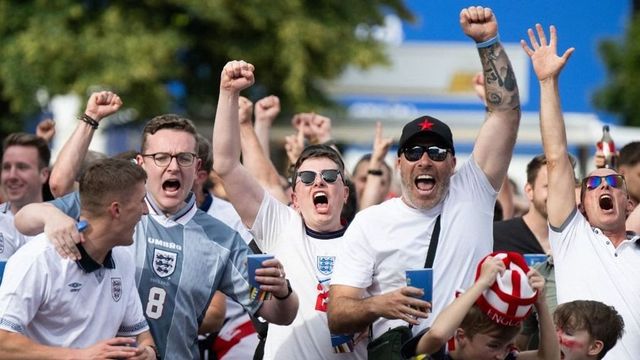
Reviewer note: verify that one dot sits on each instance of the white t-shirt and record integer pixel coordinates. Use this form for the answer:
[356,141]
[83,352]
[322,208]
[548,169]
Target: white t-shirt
[225,212]
[10,238]
[385,240]
[589,267]
[53,301]
[308,259]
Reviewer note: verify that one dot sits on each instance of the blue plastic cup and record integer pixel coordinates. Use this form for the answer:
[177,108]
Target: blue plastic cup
[421,279]
[533,259]
[254,262]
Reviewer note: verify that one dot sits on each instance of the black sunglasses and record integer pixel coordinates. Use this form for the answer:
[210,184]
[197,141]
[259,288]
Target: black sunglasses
[308,177]
[415,153]
[614,181]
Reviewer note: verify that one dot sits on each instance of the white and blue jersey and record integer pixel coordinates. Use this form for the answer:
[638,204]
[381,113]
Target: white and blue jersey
[181,260]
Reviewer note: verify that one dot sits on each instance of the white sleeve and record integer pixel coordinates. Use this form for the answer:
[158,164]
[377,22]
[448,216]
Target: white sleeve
[272,219]
[355,262]
[24,288]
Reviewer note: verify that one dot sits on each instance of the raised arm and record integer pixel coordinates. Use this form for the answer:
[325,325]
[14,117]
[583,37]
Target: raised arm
[549,348]
[497,136]
[65,170]
[547,66]
[371,194]
[244,192]
[254,159]
[266,111]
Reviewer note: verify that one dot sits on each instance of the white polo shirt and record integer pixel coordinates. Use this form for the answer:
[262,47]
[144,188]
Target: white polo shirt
[589,267]
[60,302]
[10,238]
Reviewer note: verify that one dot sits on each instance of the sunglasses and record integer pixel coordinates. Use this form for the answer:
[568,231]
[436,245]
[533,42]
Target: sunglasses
[308,177]
[415,153]
[593,182]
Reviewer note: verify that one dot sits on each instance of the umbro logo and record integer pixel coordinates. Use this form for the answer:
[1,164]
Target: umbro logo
[74,287]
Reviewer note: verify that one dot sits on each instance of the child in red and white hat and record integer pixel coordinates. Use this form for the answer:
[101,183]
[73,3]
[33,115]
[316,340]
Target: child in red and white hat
[483,322]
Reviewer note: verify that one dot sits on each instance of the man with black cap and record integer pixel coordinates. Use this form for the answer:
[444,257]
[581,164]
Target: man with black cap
[369,286]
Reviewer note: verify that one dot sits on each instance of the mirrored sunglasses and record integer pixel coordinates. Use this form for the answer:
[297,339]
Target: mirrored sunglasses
[614,181]
[433,152]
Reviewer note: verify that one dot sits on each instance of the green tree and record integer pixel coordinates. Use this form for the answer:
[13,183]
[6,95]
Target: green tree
[621,95]
[137,47]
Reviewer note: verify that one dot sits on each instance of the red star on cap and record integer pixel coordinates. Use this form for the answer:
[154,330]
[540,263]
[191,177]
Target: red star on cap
[425,125]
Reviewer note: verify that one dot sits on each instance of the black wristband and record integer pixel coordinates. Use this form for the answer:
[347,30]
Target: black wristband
[89,120]
[376,172]
[288,294]
[155,351]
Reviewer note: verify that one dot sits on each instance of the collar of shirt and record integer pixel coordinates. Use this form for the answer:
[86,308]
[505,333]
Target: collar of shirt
[88,265]
[155,209]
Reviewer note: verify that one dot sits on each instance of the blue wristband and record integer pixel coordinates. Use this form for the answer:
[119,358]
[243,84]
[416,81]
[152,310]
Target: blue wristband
[489,42]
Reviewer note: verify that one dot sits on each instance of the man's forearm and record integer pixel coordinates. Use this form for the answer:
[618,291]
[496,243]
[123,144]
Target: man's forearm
[500,81]
[32,218]
[280,312]
[70,159]
[15,346]
[348,315]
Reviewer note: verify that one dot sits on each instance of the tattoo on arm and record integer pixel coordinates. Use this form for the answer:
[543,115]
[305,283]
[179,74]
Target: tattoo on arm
[500,80]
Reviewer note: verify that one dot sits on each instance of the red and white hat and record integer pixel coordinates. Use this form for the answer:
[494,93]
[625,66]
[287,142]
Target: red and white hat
[510,299]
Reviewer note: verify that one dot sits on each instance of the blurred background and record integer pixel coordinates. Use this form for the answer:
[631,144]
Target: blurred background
[356,61]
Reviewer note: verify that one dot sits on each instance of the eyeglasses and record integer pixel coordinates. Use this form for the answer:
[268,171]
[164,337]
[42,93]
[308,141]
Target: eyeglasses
[164,159]
[415,153]
[592,182]
[308,177]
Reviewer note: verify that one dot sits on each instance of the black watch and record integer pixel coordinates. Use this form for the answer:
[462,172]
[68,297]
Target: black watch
[290,290]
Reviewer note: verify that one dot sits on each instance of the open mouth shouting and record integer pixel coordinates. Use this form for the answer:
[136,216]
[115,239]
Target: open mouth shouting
[425,182]
[171,186]
[606,202]
[321,201]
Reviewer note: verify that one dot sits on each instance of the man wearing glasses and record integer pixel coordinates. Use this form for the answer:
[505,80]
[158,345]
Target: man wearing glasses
[182,254]
[306,237]
[595,257]
[369,286]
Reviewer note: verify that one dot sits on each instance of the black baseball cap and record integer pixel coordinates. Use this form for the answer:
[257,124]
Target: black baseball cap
[427,127]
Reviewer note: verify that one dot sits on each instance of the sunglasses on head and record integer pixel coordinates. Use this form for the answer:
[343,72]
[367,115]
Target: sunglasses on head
[415,153]
[614,181]
[308,177]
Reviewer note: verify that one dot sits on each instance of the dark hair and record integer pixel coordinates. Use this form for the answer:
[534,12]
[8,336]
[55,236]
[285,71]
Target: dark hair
[126,155]
[351,206]
[167,121]
[89,158]
[538,161]
[477,322]
[533,168]
[204,153]
[105,179]
[601,321]
[24,139]
[630,154]
[367,157]
[317,151]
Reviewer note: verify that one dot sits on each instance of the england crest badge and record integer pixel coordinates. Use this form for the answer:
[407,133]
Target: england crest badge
[164,262]
[325,264]
[116,288]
